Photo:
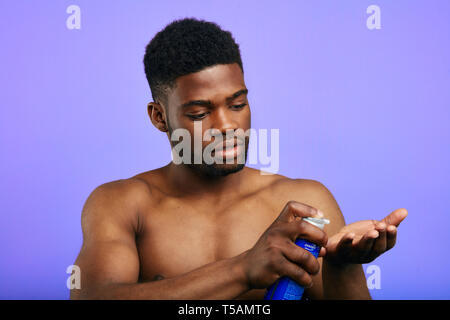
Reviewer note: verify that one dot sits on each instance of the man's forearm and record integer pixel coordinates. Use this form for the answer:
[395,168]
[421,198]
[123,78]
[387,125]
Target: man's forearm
[223,279]
[344,282]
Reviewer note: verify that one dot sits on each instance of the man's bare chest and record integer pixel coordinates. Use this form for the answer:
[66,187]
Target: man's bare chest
[177,237]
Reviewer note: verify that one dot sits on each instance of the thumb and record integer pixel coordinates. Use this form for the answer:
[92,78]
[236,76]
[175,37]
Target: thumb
[294,209]
[396,217]
[322,252]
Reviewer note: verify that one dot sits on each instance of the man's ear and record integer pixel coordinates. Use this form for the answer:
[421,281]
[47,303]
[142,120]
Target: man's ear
[157,116]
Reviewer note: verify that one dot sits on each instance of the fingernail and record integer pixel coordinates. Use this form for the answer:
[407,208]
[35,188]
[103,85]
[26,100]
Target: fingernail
[320,214]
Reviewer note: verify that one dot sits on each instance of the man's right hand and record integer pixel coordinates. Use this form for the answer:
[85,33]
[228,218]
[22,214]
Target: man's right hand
[275,254]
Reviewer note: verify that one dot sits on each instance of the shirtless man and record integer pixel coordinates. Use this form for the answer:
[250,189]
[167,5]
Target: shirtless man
[220,231]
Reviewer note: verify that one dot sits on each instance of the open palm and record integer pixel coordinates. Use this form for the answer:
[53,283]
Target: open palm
[363,241]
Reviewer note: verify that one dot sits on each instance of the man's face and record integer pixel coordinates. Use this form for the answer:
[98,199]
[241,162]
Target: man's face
[217,98]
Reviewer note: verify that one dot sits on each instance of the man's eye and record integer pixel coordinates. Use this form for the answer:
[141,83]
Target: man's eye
[197,116]
[239,106]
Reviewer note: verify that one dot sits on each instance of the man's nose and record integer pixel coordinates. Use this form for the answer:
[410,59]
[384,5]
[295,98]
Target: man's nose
[224,120]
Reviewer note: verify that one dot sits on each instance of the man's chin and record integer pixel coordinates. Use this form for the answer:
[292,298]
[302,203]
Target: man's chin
[218,170]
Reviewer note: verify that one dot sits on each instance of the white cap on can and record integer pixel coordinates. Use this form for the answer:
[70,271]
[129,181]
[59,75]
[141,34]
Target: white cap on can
[318,222]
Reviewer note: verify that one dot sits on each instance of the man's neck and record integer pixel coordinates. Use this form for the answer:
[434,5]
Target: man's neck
[189,182]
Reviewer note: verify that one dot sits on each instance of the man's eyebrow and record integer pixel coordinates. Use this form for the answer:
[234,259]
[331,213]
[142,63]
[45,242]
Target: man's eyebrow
[208,103]
[236,94]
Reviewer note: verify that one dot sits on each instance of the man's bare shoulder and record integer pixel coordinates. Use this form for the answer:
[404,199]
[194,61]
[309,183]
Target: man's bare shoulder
[122,195]
[128,189]
[117,202]
[312,189]
[132,188]
[281,186]
[310,192]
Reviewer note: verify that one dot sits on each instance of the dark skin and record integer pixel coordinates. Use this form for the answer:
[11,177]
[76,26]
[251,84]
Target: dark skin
[176,233]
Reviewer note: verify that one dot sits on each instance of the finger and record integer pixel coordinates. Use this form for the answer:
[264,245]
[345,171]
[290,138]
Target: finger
[365,244]
[296,273]
[306,231]
[391,237]
[396,217]
[294,209]
[345,246]
[301,257]
[379,245]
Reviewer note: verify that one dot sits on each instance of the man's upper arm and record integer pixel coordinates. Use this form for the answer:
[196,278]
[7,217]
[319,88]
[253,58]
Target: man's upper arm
[109,222]
[321,198]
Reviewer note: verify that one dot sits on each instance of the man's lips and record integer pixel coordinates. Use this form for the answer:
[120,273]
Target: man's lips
[229,150]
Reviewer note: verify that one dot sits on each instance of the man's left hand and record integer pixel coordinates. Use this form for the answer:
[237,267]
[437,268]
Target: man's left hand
[363,241]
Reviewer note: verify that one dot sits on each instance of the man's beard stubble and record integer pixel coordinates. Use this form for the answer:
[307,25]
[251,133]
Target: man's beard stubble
[214,170]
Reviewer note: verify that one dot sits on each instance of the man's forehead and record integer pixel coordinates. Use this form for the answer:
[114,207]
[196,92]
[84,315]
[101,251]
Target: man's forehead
[216,82]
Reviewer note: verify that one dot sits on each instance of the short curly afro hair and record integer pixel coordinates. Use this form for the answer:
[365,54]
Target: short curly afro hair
[186,46]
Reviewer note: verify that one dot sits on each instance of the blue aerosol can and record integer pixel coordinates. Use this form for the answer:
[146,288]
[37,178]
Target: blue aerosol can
[285,288]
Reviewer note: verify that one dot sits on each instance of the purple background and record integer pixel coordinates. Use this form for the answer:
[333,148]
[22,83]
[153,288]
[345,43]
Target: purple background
[363,111]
